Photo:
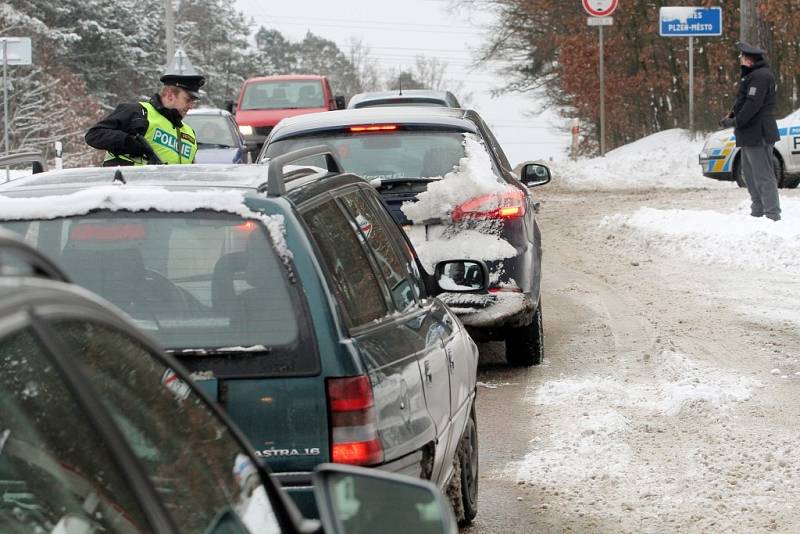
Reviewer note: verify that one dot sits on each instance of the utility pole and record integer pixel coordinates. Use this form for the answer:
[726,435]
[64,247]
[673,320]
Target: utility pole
[747,11]
[169,24]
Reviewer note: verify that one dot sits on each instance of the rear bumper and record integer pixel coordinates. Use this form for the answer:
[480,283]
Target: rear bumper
[492,310]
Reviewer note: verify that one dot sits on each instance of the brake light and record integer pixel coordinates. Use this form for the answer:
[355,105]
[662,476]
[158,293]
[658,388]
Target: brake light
[354,425]
[503,206]
[110,232]
[374,128]
[246,227]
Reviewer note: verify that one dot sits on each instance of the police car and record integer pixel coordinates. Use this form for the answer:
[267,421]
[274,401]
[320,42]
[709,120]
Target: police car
[720,159]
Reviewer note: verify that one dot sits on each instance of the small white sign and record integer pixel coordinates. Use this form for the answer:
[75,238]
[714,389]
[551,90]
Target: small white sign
[18,50]
[600,21]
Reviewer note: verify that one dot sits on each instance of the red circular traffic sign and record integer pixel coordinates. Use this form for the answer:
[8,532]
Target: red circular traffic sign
[600,8]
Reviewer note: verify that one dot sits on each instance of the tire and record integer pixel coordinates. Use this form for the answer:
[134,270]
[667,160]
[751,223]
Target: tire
[463,487]
[525,344]
[737,172]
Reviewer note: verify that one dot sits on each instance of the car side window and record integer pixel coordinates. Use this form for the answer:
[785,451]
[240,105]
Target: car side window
[201,472]
[375,232]
[55,471]
[353,281]
[403,246]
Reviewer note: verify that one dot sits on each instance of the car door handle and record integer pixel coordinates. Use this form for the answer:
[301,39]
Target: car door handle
[428,374]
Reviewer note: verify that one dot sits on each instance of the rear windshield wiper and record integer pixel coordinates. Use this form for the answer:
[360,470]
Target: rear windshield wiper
[221,351]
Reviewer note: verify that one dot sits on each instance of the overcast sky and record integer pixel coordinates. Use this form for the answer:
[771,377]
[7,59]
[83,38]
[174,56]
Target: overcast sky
[397,32]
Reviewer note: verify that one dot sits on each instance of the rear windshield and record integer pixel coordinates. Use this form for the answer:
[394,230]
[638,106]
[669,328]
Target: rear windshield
[387,155]
[214,130]
[283,95]
[193,281]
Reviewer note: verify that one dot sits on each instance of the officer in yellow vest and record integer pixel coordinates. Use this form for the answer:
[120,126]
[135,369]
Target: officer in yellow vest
[136,133]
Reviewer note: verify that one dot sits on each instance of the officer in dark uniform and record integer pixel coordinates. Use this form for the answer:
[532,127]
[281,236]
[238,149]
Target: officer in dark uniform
[138,132]
[756,131]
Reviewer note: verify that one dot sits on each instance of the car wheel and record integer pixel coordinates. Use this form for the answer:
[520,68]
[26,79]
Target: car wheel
[737,172]
[525,344]
[463,487]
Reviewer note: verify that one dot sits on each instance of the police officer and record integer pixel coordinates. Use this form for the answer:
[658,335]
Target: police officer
[138,132]
[756,130]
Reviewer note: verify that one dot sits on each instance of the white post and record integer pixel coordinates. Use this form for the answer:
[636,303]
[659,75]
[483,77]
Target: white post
[691,86]
[602,97]
[575,132]
[59,153]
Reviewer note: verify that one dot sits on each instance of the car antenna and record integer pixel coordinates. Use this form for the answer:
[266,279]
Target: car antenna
[118,177]
[400,81]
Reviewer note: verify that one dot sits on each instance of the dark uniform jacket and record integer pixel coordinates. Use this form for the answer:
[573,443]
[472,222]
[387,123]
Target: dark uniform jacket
[115,132]
[755,107]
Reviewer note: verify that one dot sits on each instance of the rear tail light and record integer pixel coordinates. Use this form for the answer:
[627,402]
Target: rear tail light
[354,425]
[502,206]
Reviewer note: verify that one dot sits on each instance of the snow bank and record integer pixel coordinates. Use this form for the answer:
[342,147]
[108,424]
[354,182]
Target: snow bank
[711,237]
[664,159]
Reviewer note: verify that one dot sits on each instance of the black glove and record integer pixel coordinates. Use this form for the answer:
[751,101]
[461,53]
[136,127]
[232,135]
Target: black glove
[728,122]
[136,146]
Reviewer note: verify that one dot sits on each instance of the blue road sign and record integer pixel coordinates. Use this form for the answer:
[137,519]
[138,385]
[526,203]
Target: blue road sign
[690,21]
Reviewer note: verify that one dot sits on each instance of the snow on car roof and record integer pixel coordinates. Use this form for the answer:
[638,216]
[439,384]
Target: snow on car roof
[161,175]
[75,202]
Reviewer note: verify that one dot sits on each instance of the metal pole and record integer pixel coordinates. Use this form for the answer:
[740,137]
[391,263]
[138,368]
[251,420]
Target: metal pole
[5,103]
[691,86]
[169,24]
[602,97]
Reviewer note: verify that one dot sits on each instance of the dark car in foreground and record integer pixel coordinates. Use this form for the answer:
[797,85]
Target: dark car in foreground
[404,97]
[102,432]
[218,137]
[294,299]
[445,177]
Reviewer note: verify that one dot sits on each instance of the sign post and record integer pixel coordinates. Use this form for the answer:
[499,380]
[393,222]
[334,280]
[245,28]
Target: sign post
[16,51]
[690,22]
[600,11]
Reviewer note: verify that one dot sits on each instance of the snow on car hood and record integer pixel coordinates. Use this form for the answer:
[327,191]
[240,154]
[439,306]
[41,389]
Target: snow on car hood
[465,245]
[472,177]
[119,198]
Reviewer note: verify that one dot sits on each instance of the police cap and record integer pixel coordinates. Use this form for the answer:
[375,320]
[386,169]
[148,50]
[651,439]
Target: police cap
[750,50]
[191,83]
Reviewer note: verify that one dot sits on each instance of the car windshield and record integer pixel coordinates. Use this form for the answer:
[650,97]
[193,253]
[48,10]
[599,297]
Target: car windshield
[211,130]
[203,280]
[384,154]
[283,94]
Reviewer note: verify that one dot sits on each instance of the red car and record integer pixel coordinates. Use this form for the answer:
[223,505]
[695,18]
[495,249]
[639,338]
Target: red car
[264,101]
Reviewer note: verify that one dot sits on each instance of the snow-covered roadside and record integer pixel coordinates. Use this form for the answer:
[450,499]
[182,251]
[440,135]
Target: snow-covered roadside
[698,438]
[665,159]
[669,442]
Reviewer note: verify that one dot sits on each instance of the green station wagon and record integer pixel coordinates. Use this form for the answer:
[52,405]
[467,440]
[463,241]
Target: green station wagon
[293,298]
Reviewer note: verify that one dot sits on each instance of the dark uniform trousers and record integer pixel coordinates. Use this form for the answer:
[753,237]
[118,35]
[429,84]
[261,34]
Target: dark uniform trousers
[759,175]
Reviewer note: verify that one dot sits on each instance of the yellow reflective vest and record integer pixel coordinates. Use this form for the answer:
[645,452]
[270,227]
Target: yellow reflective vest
[173,146]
